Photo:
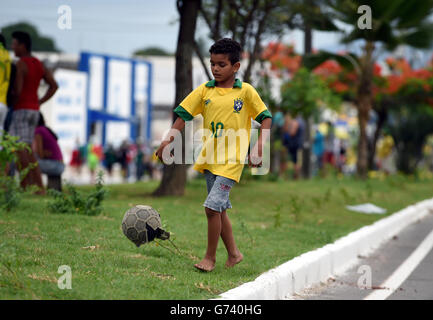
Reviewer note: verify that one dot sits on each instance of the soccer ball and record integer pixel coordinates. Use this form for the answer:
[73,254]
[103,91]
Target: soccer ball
[142,224]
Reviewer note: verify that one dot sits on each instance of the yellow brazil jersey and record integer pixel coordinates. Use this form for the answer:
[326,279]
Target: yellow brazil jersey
[5,72]
[227,114]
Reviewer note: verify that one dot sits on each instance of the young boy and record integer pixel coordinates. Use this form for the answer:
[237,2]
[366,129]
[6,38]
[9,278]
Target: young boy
[226,104]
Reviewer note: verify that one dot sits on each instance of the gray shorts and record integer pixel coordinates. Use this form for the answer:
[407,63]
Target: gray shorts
[23,124]
[218,190]
[51,167]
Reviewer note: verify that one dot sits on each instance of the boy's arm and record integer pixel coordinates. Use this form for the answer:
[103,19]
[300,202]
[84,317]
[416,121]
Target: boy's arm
[258,147]
[178,125]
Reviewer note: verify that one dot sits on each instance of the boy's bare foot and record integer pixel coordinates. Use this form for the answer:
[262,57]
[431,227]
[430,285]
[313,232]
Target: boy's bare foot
[206,265]
[234,260]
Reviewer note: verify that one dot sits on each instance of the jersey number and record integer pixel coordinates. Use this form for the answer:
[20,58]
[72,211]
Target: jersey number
[217,130]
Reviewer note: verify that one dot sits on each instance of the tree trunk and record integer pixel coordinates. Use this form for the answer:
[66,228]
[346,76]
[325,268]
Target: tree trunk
[174,176]
[364,104]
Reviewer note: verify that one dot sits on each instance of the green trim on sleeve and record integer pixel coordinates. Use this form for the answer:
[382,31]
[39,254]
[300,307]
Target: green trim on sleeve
[265,114]
[237,84]
[181,112]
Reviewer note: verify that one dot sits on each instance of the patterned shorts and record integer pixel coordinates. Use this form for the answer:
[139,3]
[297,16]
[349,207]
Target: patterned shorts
[218,190]
[23,124]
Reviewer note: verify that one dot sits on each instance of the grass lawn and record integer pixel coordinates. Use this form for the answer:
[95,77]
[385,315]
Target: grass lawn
[273,222]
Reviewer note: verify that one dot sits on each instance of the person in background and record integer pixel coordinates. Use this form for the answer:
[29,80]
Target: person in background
[124,159]
[109,159]
[277,137]
[292,140]
[29,72]
[47,150]
[318,149]
[330,140]
[76,158]
[94,156]
[5,73]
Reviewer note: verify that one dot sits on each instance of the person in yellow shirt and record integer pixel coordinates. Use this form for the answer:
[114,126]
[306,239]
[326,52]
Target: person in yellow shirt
[227,106]
[5,72]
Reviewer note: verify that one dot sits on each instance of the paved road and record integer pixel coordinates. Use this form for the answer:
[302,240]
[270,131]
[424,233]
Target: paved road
[381,265]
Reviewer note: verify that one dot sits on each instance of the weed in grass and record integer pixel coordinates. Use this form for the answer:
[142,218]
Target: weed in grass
[74,202]
[369,191]
[347,197]
[245,230]
[296,206]
[277,216]
[317,201]
[328,195]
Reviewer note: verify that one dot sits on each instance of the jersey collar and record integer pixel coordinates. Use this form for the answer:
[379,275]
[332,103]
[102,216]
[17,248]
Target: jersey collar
[212,84]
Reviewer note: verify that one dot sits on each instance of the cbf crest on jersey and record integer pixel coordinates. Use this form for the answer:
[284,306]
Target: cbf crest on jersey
[238,105]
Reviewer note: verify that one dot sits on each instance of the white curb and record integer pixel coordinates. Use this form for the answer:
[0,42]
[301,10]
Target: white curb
[318,265]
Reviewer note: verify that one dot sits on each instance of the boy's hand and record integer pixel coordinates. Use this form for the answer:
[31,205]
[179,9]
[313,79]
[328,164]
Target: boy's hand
[161,149]
[255,156]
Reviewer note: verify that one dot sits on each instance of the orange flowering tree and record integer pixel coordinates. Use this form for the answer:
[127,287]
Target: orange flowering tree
[410,120]
[402,99]
[401,96]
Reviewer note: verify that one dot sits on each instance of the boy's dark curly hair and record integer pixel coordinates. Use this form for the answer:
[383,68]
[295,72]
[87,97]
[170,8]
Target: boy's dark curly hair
[227,46]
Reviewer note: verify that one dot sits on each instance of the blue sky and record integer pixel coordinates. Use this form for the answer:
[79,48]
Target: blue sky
[118,26]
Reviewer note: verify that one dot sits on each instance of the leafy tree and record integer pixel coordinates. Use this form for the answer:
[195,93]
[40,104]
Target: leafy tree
[397,22]
[39,42]
[409,126]
[305,93]
[151,51]
[246,22]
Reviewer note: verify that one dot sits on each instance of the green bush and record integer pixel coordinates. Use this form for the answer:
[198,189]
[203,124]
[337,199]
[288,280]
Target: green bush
[74,202]
[10,190]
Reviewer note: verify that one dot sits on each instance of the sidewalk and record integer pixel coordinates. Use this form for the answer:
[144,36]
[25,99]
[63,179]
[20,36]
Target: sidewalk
[317,266]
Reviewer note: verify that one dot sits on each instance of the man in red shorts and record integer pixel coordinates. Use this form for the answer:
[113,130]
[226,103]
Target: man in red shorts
[29,72]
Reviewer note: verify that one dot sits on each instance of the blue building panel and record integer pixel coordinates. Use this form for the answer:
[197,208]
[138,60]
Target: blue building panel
[103,113]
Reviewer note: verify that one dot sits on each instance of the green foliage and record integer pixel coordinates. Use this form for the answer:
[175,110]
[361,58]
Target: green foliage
[295,207]
[409,126]
[74,202]
[277,215]
[306,93]
[39,43]
[152,51]
[9,146]
[394,22]
[10,191]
